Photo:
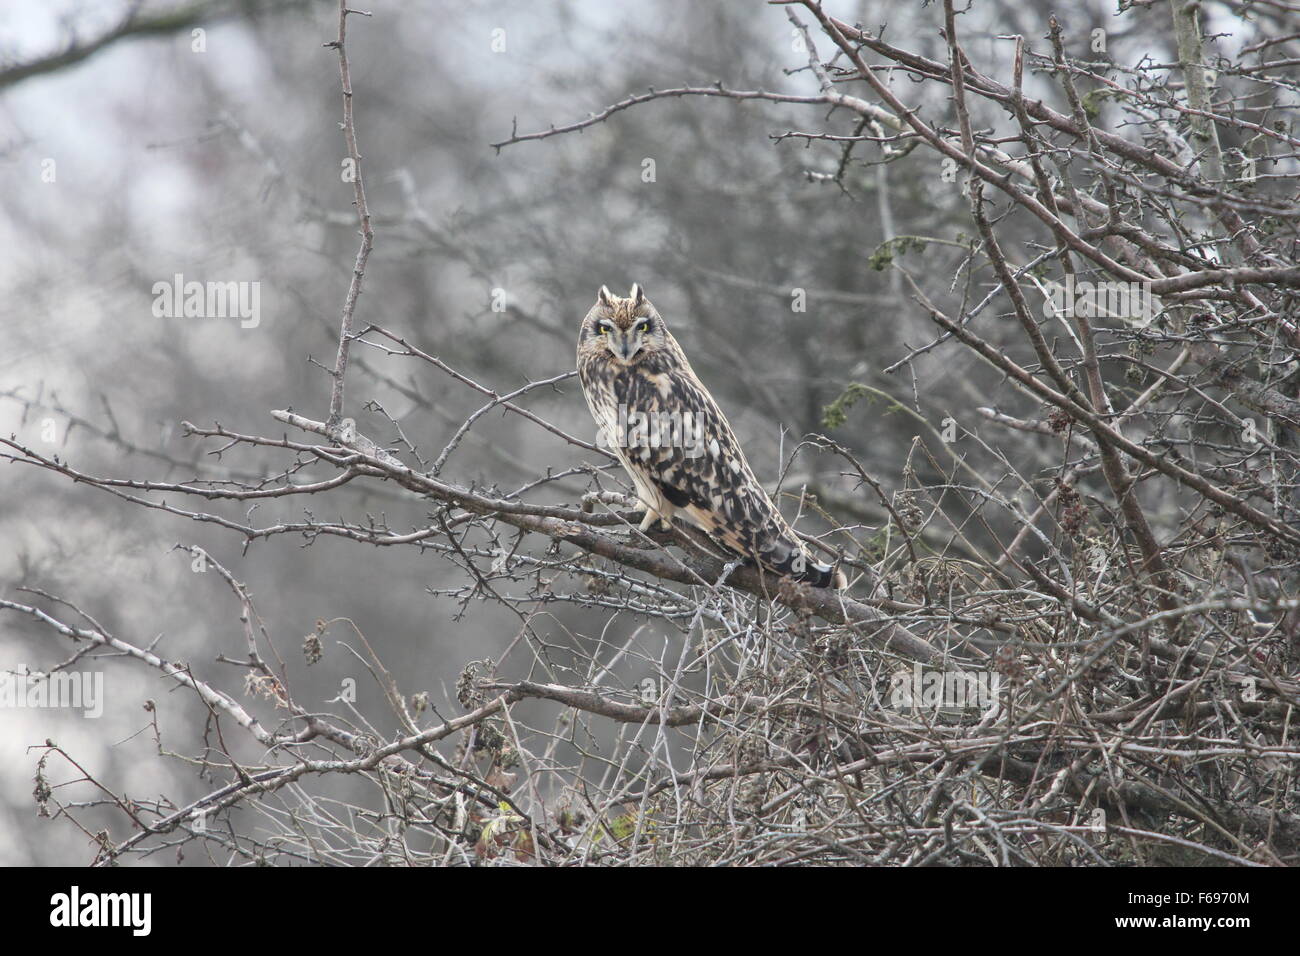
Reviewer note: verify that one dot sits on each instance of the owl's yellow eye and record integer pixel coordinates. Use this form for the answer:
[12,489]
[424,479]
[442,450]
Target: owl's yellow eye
[602,330]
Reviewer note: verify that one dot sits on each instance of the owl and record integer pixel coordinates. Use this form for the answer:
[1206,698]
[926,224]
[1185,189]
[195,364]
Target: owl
[675,443]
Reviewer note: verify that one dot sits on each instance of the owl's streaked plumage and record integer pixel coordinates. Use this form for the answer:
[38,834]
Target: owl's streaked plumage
[674,441]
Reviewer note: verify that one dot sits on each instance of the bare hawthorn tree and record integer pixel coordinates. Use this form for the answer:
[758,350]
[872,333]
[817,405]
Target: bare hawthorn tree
[1118,568]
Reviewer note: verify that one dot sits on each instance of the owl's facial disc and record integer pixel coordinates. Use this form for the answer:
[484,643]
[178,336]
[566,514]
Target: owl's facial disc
[624,344]
[627,328]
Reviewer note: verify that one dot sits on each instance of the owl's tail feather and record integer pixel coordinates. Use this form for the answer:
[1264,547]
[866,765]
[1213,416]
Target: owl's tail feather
[793,560]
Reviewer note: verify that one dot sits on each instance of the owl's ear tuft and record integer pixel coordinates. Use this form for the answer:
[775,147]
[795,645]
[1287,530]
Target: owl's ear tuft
[604,296]
[637,295]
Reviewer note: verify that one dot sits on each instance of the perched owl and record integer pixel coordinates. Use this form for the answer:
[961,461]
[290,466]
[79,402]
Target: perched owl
[674,441]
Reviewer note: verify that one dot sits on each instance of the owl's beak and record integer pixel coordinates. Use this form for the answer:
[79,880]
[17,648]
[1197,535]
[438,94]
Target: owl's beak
[625,347]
